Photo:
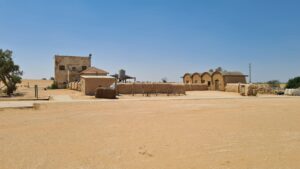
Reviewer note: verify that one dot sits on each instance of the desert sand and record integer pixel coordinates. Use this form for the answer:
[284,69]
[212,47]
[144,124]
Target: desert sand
[252,133]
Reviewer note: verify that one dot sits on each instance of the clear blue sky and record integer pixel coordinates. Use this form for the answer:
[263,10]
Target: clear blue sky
[153,39]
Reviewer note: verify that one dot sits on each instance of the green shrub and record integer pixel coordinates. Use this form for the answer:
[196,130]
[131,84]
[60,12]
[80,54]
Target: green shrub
[274,83]
[53,86]
[293,83]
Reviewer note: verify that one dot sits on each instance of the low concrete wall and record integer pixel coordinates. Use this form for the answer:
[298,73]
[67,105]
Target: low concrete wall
[150,88]
[292,92]
[243,89]
[89,85]
[233,87]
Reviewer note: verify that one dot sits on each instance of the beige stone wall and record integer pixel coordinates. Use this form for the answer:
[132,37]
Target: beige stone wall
[89,85]
[73,66]
[196,78]
[233,87]
[248,90]
[243,89]
[220,85]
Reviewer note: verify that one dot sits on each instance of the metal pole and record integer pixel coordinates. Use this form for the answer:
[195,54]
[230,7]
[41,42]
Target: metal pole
[250,73]
[36,91]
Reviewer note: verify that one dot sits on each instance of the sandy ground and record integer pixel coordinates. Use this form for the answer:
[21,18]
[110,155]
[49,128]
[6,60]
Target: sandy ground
[252,133]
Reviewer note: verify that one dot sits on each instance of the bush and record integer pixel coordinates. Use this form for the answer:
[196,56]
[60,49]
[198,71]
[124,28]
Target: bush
[274,83]
[293,83]
[53,86]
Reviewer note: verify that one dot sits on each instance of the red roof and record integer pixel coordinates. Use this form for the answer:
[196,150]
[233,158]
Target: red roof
[94,71]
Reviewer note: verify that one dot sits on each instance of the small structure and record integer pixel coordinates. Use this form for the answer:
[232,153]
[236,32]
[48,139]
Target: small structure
[89,84]
[67,68]
[292,92]
[187,78]
[122,77]
[221,78]
[196,77]
[216,80]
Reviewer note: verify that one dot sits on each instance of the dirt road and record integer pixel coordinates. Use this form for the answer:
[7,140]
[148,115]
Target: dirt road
[127,134]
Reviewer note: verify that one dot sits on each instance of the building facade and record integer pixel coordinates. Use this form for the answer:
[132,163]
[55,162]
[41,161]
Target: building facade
[216,80]
[187,78]
[196,77]
[68,68]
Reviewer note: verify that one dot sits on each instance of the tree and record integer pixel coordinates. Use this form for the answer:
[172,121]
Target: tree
[273,83]
[10,74]
[219,69]
[164,80]
[293,83]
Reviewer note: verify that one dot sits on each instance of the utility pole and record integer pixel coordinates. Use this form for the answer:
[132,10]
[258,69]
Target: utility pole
[250,73]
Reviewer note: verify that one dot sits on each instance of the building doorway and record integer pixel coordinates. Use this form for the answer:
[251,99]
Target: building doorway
[217,84]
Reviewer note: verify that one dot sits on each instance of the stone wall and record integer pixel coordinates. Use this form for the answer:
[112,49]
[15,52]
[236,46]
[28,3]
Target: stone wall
[243,89]
[150,88]
[232,87]
[196,87]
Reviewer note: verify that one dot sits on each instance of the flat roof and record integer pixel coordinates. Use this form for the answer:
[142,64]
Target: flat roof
[97,77]
[72,56]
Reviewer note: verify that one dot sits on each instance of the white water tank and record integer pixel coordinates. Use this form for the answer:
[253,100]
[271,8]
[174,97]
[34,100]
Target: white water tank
[122,74]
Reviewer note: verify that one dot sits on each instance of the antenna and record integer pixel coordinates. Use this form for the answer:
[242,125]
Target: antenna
[250,72]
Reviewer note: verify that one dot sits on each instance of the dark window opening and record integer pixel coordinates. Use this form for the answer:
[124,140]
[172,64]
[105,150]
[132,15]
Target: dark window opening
[208,83]
[202,81]
[62,67]
[83,67]
[196,81]
[73,68]
[187,81]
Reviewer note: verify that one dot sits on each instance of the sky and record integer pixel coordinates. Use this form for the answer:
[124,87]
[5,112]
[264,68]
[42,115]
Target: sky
[154,39]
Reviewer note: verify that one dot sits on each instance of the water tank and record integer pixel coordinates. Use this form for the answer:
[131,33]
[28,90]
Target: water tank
[122,74]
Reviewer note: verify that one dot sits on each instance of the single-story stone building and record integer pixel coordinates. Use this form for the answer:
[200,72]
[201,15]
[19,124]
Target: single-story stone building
[216,80]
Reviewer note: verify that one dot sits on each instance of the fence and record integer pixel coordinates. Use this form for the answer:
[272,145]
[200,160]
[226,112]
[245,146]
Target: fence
[74,86]
[195,87]
[150,88]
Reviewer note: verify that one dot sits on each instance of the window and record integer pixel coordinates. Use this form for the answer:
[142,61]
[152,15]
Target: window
[83,67]
[187,81]
[208,83]
[196,81]
[62,67]
[202,81]
[73,68]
